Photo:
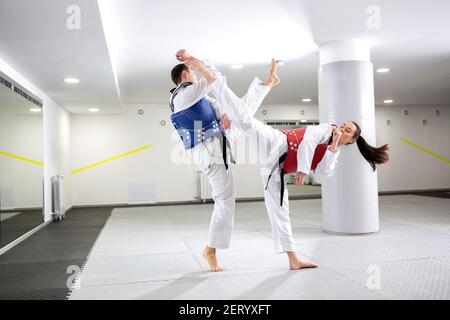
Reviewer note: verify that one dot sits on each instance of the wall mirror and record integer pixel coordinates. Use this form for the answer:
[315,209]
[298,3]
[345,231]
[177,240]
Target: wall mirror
[21,161]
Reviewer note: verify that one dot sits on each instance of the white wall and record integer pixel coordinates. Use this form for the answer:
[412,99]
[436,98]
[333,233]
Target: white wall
[153,172]
[99,137]
[410,168]
[57,157]
[56,139]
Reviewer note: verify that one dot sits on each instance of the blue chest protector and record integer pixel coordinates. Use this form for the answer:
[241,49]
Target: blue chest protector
[197,123]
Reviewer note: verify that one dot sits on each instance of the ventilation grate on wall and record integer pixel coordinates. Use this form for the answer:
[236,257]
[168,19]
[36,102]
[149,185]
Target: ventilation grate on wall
[291,123]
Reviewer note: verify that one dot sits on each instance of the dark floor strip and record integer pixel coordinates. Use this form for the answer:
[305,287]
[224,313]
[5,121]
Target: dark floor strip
[16,226]
[41,267]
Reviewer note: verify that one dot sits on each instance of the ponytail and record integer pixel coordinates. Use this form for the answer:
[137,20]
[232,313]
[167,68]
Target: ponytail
[373,155]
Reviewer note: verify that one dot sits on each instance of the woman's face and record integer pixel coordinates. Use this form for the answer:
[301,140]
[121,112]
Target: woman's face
[348,130]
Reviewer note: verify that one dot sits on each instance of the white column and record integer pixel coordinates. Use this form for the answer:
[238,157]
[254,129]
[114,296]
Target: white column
[346,93]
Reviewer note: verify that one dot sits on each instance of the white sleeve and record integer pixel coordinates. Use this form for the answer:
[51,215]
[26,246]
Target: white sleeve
[217,108]
[211,67]
[191,94]
[198,90]
[328,163]
[314,135]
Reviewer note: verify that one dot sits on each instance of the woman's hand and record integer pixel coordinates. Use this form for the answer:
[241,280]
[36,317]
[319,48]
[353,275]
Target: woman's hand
[336,136]
[299,178]
[225,122]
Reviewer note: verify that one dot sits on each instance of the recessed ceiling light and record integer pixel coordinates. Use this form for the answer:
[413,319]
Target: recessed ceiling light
[383,70]
[388,101]
[93,110]
[35,109]
[306,100]
[236,66]
[71,80]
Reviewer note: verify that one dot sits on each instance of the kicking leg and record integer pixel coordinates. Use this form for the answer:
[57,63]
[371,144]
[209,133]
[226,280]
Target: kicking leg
[254,97]
[258,90]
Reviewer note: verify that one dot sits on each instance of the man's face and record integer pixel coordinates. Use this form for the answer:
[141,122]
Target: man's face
[189,76]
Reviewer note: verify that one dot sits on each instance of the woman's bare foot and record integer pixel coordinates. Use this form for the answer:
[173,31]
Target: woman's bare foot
[209,254]
[182,55]
[273,79]
[296,263]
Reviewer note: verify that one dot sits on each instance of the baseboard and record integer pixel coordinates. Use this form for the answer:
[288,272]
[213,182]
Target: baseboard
[253,199]
[11,209]
[399,192]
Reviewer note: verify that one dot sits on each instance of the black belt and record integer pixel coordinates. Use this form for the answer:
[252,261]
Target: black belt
[279,164]
[226,143]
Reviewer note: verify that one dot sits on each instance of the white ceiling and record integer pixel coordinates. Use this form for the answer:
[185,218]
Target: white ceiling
[142,37]
[35,41]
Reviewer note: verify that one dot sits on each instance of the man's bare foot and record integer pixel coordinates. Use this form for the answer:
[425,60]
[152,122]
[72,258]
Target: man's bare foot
[296,263]
[273,79]
[182,55]
[209,254]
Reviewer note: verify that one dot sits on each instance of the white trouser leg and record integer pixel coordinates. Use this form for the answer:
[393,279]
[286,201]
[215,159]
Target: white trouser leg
[233,105]
[269,140]
[224,195]
[255,95]
[278,215]
[256,92]
[252,101]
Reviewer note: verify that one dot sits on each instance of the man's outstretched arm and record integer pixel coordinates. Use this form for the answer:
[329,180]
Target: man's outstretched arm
[196,65]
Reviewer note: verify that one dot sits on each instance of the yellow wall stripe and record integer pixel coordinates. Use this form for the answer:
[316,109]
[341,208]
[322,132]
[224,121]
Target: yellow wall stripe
[425,150]
[21,158]
[111,159]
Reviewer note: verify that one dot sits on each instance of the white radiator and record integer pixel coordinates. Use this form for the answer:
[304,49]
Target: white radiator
[57,197]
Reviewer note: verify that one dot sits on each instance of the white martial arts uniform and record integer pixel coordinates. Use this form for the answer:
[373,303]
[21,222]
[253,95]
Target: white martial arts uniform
[272,145]
[208,156]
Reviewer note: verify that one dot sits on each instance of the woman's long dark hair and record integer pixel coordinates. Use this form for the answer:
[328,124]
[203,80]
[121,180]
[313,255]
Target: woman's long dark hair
[373,155]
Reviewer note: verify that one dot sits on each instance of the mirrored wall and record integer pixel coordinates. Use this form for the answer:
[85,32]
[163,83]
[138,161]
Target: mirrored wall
[21,161]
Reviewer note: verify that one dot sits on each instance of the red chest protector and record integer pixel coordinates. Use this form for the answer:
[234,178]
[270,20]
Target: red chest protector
[288,161]
[294,138]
